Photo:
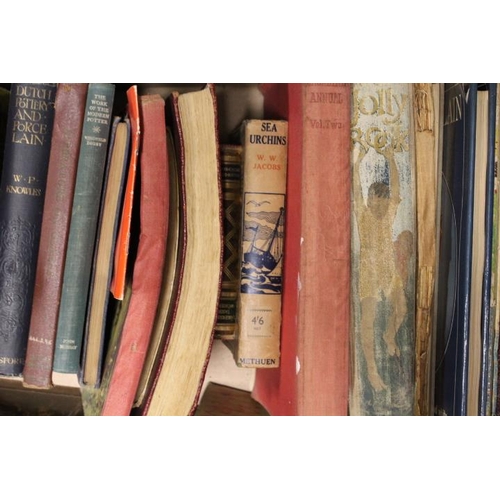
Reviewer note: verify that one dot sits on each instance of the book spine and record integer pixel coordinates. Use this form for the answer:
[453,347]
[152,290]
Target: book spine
[148,267]
[175,390]
[68,121]
[170,280]
[120,267]
[383,250]
[99,297]
[22,190]
[465,254]
[455,249]
[231,170]
[479,271]
[325,264]
[83,227]
[4,112]
[489,270]
[495,322]
[426,111]
[262,234]
[277,390]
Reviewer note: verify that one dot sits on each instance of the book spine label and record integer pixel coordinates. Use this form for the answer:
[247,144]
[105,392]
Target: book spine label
[231,169]
[262,236]
[83,227]
[383,250]
[26,157]
[68,120]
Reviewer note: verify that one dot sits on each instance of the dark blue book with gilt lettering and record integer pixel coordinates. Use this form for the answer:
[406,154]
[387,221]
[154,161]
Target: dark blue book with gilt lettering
[455,249]
[22,190]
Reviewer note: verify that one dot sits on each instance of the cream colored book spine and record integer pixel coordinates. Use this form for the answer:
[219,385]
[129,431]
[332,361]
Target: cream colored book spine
[263,218]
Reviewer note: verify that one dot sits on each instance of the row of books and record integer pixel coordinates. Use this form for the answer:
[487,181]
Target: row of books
[382,256]
[391,291]
[114,239]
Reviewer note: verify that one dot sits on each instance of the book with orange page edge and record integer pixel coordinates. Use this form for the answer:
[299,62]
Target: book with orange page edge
[123,240]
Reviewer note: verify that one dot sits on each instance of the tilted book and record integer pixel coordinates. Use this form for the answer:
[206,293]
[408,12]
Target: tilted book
[83,228]
[149,263]
[383,249]
[93,397]
[313,377]
[68,122]
[170,281]
[121,258]
[258,323]
[99,295]
[22,191]
[184,359]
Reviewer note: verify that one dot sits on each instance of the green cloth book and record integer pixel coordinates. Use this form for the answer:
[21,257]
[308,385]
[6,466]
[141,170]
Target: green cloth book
[83,227]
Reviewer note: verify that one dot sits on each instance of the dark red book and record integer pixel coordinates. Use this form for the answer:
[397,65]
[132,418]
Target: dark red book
[148,266]
[184,358]
[63,161]
[313,377]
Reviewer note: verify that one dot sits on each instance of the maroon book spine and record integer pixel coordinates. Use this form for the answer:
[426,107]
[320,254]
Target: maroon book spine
[68,122]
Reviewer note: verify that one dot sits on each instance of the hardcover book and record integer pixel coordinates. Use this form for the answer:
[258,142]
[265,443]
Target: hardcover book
[22,191]
[149,263]
[231,173]
[481,273]
[83,228]
[171,271]
[455,249]
[265,148]
[93,397]
[427,117]
[313,377]
[184,359]
[495,312]
[99,296]
[121,261]
[490,275]
[383,252]
[65,147]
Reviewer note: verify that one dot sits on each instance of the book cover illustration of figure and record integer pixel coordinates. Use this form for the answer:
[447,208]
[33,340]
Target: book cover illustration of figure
[262,255]
[383,252]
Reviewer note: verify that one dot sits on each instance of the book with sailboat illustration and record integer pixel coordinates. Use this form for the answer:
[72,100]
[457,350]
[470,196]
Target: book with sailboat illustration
[263,222]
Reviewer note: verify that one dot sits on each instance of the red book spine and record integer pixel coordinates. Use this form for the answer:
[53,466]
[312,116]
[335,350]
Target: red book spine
[313,378]
[63,162]
[147,273]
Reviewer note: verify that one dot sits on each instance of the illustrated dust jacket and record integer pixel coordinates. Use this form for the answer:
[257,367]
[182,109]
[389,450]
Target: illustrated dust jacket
[383,250]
